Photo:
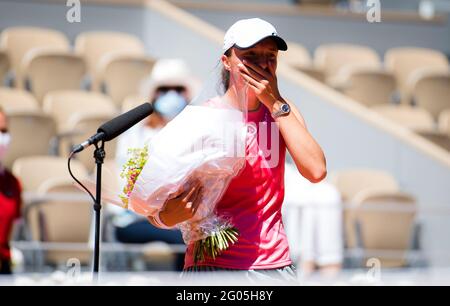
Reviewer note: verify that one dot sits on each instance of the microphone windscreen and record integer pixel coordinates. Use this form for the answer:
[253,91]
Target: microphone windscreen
[120,124]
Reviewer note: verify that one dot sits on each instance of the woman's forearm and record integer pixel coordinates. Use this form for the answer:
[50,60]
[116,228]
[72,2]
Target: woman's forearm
[305,151]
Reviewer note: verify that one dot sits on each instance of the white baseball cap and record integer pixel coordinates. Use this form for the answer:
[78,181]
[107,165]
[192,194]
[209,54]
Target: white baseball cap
[246,33]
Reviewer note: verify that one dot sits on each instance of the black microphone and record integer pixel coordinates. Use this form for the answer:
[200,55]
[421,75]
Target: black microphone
[117,126]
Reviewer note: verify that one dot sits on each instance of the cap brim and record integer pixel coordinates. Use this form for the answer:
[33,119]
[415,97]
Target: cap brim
[281,44]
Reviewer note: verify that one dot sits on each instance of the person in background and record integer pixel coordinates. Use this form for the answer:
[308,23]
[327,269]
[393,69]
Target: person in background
[314,223]
[169,88]
[10,199]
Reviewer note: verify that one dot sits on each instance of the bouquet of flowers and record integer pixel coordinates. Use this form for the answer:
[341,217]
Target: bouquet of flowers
[211,151]
[131,171]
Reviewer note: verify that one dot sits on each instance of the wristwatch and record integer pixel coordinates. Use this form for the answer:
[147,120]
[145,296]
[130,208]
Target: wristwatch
[284,110]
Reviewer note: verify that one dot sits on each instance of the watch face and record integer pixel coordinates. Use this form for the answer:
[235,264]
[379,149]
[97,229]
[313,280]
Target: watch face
[285,108]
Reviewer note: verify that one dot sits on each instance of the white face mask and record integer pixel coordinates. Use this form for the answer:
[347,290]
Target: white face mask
[5,140]
[170,104]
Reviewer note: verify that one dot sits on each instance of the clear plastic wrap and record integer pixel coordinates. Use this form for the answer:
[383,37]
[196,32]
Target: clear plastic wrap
[203,144]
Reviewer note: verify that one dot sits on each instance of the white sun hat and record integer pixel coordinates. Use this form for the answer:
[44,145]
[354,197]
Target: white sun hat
[170,72]
[247,32]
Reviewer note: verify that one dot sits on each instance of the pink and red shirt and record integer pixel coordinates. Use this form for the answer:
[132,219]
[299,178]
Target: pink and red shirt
[253,202]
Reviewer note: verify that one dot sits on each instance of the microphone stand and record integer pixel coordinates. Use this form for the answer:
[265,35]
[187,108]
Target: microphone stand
[106,132]
[99,155]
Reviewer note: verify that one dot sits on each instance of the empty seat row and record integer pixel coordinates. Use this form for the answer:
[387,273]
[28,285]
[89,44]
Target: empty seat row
[378,215]
[67,118]
[42,60]
[403,68]
[421,75]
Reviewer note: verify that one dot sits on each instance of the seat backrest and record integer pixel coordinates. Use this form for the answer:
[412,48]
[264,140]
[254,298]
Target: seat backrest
[431,91]
[296,55]
[350,182]
[94,45]
[17,41]
[404,61]
[50,70]
[313,72]
[33,171]
[334,57]
[353,181]
[132,101]
[370,87]
[84,125]
[16,100]
[386,221]
[444,122]
[66,218]
[112,174]
[64,105]
[122,75]
[4,66]
[414,118]
[31,134]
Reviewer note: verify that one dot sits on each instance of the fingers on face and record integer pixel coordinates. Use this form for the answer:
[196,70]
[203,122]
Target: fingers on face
[260,71]
[257,87]
[245,70]
[251,81]
[254,79]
